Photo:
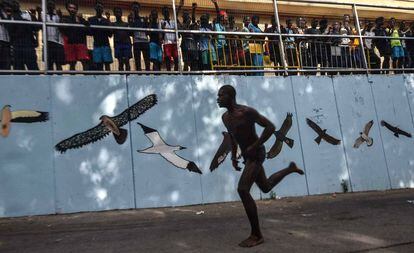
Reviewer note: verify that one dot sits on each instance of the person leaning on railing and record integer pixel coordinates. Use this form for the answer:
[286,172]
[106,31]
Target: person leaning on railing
[155,42]
[189,43]
[207,51]
[5,59]
[140,39]
[372,58]
[410,45]
[221,44]
[23,38]
[290,45]
[314,52]
[75,44]
[256,48]
[102,53]
[273,44]
[382,44]
[397,52]
[55,50]
[169,40]
[122,42]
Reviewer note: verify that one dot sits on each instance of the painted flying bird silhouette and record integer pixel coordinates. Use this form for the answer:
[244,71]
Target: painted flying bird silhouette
[22,116]
[281,137]
[322,134]
[166,151]
[395,130]
[222,152]
[109,125]
[363,136]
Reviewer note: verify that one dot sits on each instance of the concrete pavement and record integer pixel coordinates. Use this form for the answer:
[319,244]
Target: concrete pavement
[353,222]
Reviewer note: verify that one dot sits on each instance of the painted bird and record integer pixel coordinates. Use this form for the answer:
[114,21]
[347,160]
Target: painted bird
[109,125]
[166,151]
[281,137]
[322,134]
[22,116]
[363,136]
[222,152]
[395,130]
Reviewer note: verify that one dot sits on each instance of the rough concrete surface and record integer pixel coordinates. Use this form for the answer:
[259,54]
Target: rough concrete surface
[352,222]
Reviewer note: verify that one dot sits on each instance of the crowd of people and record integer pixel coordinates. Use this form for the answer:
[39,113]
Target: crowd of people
[200,51]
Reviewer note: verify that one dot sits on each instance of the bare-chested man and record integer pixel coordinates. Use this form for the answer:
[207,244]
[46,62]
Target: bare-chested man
[240,122]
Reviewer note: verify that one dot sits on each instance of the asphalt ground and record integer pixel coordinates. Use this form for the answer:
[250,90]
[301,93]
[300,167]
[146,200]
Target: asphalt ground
[381,221]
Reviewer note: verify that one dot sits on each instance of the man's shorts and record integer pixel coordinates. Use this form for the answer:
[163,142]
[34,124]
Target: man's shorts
[259,157]
[155,52]
[76,52]
[102,55]
[170,51]
[123,51]
[397,52]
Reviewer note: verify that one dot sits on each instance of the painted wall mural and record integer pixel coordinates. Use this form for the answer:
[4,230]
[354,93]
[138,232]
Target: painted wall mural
[281,137]
[109,125]
[22,116]
[166,151]
[322,135]
[364,136]
[175,133]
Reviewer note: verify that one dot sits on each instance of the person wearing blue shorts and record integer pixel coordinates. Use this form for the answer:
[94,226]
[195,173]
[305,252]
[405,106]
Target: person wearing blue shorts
[155,42]
[396,46]
[102,55]
[122,42]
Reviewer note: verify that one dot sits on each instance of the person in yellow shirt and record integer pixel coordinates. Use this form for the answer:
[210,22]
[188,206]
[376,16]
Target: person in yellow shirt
[396,46]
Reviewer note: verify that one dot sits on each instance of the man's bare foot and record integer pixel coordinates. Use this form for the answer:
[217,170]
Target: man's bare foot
[294,168]
[251,241]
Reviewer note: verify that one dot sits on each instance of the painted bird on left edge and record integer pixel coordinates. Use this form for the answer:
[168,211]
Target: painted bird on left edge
[109,125]
[166,151]
[281,137]
[22,116]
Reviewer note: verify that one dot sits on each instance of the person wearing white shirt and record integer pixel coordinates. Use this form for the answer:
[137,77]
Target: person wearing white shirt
[170,40]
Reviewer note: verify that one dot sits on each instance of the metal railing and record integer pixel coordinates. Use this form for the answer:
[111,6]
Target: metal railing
[302,54]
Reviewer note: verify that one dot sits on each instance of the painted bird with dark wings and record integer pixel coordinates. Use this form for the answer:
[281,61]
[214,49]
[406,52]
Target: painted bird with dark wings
[225,148]
[364,136]
[281,137]
[322,134]
[109,125]
[22,116]
[395,130]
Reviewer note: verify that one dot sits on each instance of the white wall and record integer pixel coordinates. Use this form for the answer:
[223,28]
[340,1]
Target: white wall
[35,179]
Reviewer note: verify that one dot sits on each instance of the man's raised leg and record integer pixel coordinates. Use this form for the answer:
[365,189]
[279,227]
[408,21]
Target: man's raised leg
[266,184]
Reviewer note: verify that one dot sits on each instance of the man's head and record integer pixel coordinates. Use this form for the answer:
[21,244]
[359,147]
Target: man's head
[323,24]
[226,96]
[203,20]
[135,6]
[50,6]
[255,20]
[336,26]
[72,7]
[314,23]
[154,16]
[246,21]
[166,13]
[403,25]
[7,7]
[118,13]
[99,9]
[289,23]
[186,17]
[379,21]
[393,22]
[370,25]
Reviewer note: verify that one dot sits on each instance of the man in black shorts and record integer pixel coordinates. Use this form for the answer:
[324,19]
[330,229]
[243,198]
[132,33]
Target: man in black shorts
[240,122]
